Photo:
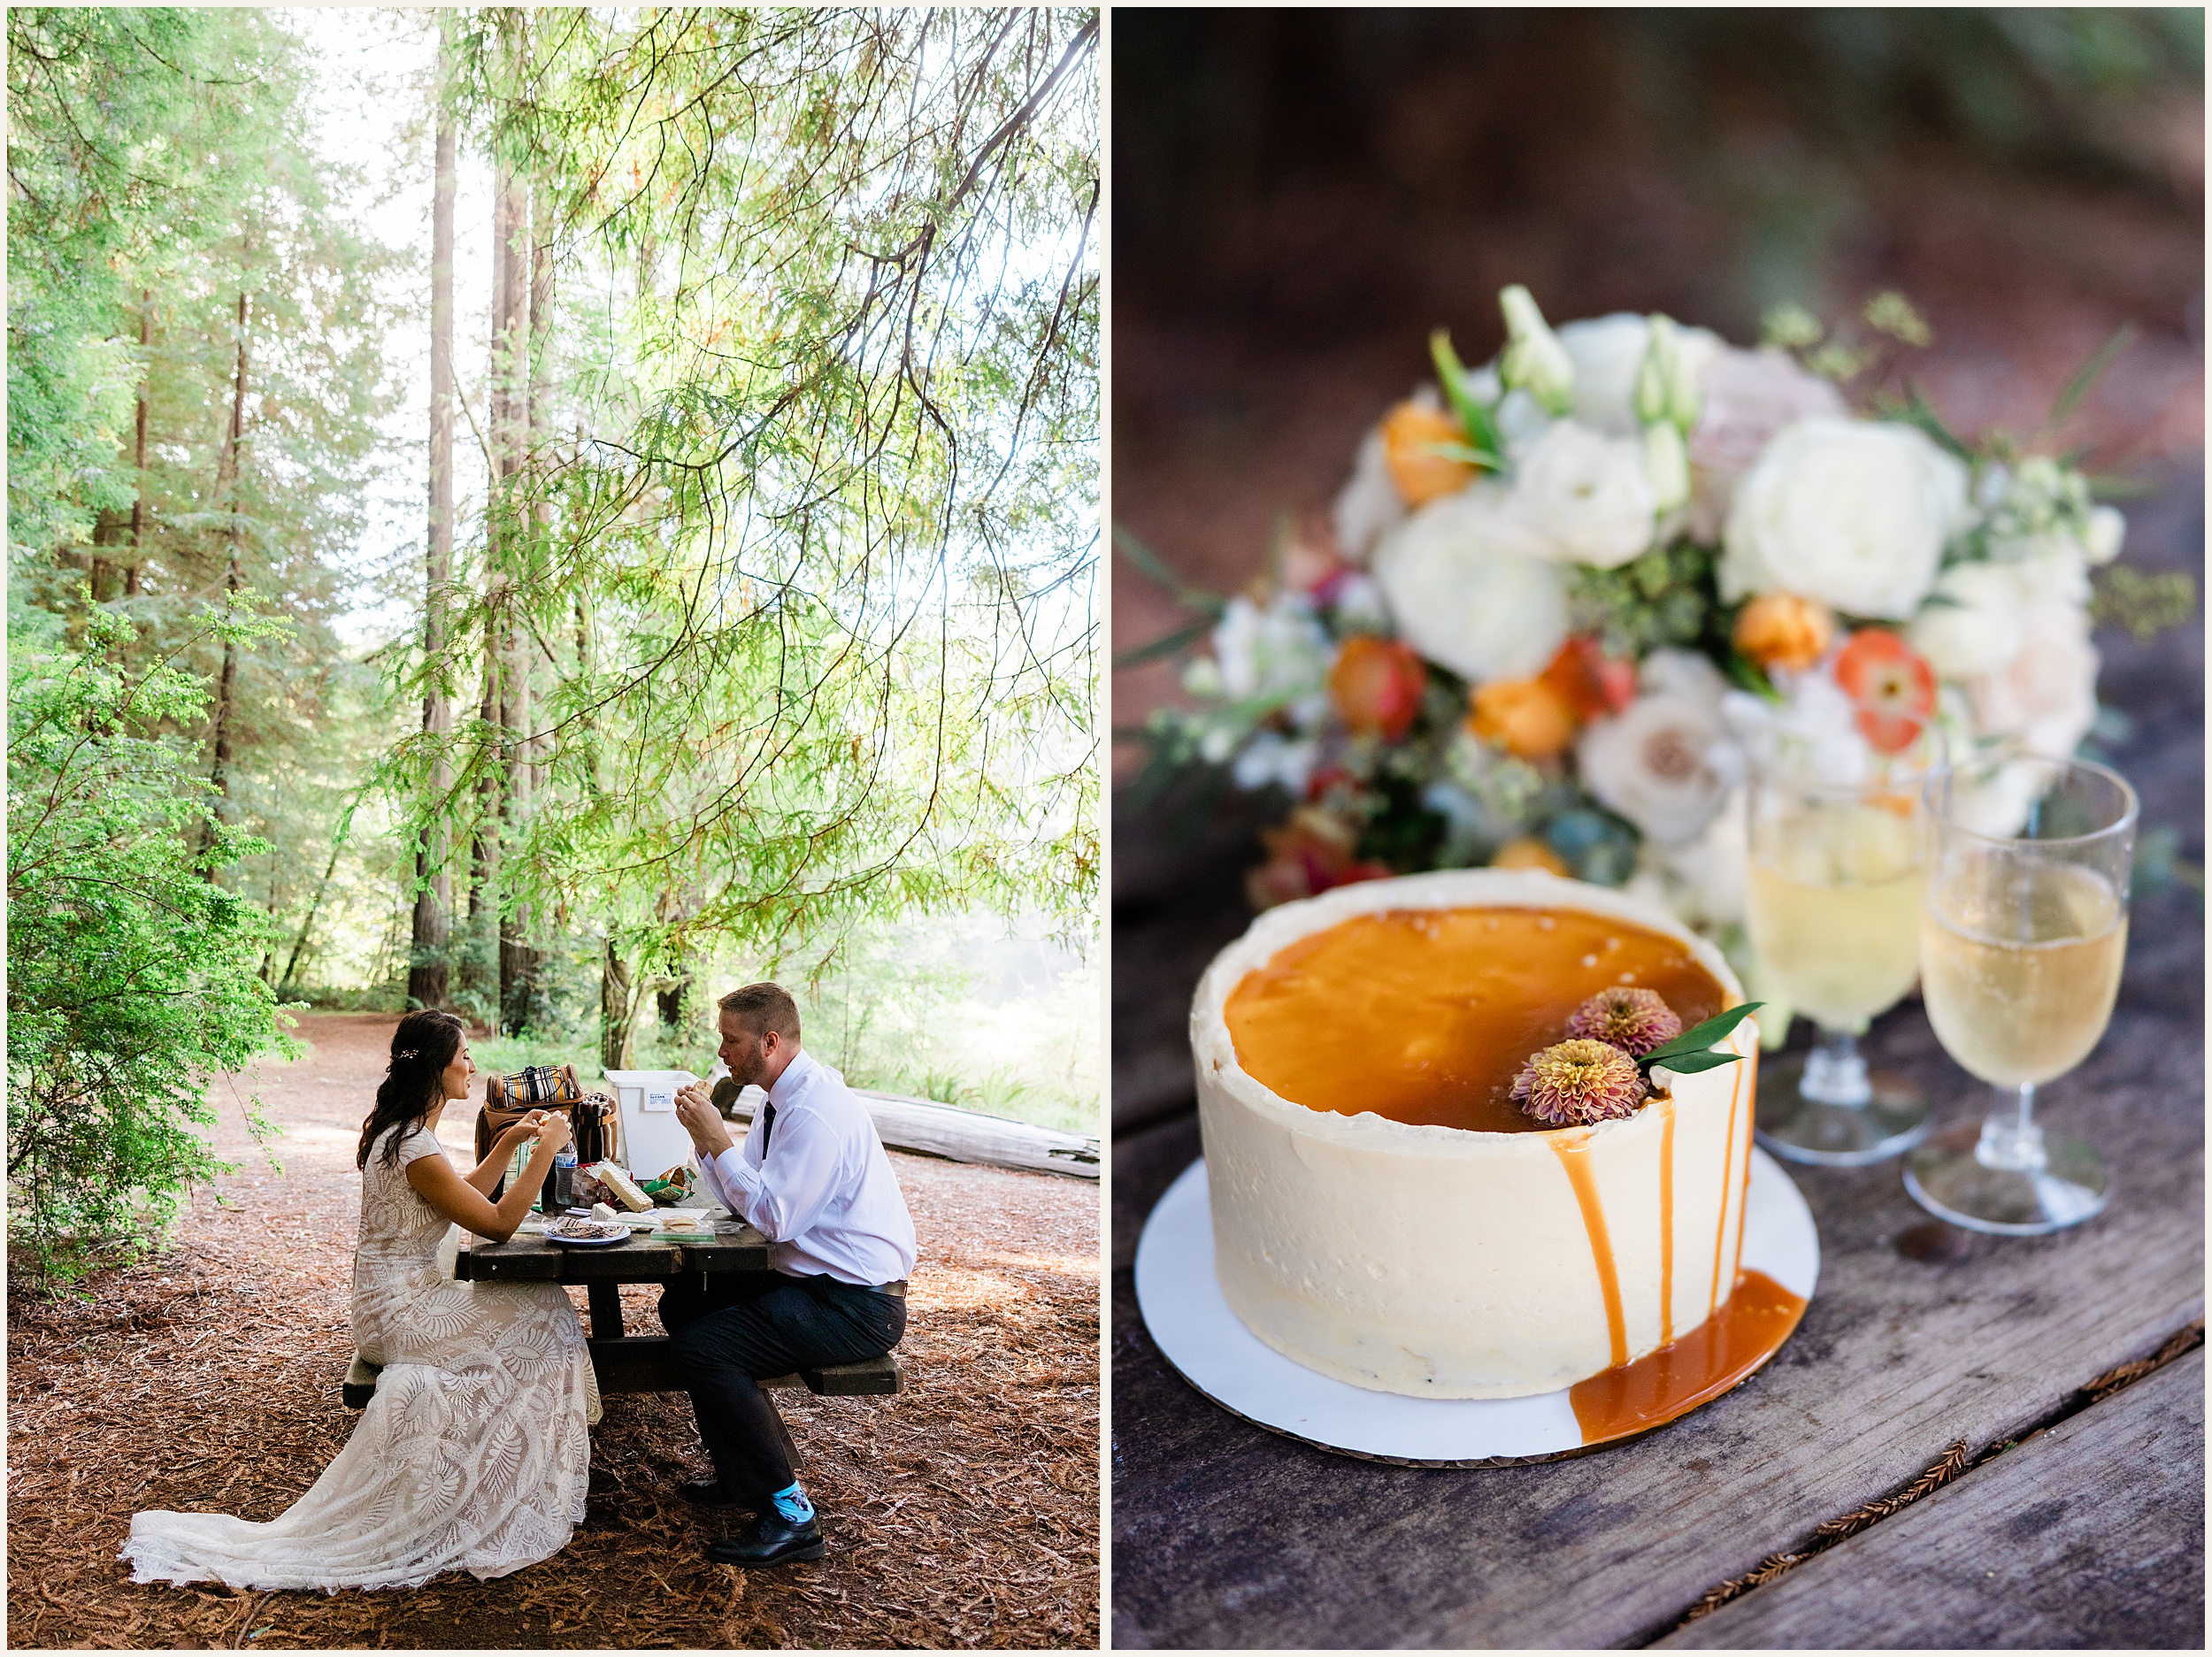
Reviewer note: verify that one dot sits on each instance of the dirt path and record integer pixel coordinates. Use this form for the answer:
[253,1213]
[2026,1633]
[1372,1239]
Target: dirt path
[962,1512]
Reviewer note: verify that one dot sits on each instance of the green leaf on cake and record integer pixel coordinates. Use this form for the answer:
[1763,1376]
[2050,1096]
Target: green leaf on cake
[1692,1051]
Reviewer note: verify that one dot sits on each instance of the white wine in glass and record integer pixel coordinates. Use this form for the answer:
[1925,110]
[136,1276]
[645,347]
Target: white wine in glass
[1834,913]
[2022,941]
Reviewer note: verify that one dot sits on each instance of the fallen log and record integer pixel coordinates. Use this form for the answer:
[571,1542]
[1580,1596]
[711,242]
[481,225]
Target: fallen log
[964,1136]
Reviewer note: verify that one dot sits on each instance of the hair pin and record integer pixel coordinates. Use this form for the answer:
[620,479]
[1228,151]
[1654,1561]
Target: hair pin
[409,1053]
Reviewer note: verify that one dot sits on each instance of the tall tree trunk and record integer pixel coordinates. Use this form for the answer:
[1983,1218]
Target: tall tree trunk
[299,943]
[672,1002]
[228,473]
[616,1044]
[511,323]
[138,452]
[427,972]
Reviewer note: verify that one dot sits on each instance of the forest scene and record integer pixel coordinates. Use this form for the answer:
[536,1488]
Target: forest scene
[549,515]
[669,560]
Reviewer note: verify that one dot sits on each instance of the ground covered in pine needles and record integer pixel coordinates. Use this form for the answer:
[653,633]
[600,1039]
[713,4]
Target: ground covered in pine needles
[961,1512]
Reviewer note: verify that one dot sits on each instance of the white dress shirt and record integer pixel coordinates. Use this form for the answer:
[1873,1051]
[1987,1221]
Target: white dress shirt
[824,1194]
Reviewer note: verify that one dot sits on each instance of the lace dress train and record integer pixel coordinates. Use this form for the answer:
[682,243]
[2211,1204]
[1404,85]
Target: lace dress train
[474,1454]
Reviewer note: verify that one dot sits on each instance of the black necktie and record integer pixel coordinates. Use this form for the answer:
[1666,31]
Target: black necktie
[767,1127]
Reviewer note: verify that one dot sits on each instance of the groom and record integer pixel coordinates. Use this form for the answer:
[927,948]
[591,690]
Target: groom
[812,1176]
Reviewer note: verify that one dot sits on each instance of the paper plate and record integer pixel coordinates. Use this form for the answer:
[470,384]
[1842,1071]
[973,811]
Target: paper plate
[1190,1321]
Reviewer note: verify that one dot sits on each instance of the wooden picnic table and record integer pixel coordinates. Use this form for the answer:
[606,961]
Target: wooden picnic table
[2089,1530]
[626,1364]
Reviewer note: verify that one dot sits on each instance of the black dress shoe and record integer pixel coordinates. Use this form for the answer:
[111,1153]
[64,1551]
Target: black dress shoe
[707,1493]
[771,1540]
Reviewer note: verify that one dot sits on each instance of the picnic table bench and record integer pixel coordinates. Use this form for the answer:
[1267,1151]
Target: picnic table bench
[639,1363]
[2078,1520]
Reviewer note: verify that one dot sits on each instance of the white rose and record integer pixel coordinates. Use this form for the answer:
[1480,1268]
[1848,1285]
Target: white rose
[1749,396]
[1586,495]
[1470,588]
[1369,506]
[1971,622]
[2046,696]
[1279,652]
[1852,512]
[1609,351]
[1662,764]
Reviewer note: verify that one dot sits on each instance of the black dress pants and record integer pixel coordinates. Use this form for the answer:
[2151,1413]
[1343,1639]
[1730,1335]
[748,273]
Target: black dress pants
[731,1336]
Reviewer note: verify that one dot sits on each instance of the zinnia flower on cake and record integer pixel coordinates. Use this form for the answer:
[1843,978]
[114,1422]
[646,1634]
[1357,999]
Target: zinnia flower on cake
[1578,1083]
[1854,513]
[1626,1016]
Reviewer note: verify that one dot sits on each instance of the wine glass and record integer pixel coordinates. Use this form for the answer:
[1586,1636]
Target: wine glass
[2023,935]
[1834,913]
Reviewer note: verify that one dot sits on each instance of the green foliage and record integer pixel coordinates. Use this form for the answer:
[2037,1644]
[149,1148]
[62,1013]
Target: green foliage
[133,976]
[1667,599]
[2145,602]
[811,591]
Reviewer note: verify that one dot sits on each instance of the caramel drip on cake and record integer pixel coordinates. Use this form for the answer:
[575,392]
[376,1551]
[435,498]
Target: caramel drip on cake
[1425,1016]
[1575,1158]
[1743,1203]
[1703,1364]
[1727,1179]
[1665,1103]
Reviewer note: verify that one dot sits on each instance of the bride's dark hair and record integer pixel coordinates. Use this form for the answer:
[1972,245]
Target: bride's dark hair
[422,1047]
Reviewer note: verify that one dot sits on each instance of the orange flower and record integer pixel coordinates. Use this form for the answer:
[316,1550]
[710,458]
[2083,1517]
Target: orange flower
[1410,436]
[1530,853]
[1525,716]
[1309,854]
[1588,680]
[1783,630]
[1893,687]
[1377,686]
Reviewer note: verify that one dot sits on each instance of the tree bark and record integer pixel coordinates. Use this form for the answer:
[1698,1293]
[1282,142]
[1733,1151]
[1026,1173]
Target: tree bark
[299,944]
[615,1044]
[511,323]
[671,1001]
[138,453]
[228,473]
[427,972]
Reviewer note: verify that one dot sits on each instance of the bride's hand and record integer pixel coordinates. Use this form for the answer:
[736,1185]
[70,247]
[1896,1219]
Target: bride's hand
[523,1128]
[553,1133]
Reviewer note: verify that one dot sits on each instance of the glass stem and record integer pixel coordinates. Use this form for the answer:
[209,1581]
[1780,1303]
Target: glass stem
[2011,1139]
[1834,1072]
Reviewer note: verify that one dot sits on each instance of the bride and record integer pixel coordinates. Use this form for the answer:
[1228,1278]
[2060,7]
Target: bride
[475,1453]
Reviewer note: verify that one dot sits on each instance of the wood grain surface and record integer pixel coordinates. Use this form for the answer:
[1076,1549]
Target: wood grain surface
[2073,1539]
[1919,1335]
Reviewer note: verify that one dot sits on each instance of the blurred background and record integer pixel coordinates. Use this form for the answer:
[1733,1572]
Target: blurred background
[1301,195]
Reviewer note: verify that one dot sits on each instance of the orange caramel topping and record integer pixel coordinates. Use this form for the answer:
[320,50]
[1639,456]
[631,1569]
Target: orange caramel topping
[1425,1016]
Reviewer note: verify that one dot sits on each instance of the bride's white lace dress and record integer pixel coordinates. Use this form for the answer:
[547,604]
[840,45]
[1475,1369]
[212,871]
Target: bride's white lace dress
[474,1454]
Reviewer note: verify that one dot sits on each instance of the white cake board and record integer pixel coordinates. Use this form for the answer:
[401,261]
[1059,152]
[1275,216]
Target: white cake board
[1196,1331]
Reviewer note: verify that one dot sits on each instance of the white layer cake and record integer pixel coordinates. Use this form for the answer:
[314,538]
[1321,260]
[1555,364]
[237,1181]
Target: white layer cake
[1442,1263]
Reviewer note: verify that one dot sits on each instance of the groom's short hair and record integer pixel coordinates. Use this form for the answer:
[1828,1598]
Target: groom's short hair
[761,1008]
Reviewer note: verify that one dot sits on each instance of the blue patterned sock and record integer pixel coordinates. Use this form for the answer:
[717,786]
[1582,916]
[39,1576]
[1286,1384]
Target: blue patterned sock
[793,1505]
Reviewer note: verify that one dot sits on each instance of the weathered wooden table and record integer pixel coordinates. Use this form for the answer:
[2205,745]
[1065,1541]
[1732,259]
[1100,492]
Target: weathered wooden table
[2087,1531]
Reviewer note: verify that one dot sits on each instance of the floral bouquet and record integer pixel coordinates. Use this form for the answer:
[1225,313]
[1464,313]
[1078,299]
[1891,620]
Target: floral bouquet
[1566,595]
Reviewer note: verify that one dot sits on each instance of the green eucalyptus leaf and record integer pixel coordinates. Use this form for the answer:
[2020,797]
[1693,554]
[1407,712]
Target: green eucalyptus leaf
[1699,1037]
[1691,1064]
